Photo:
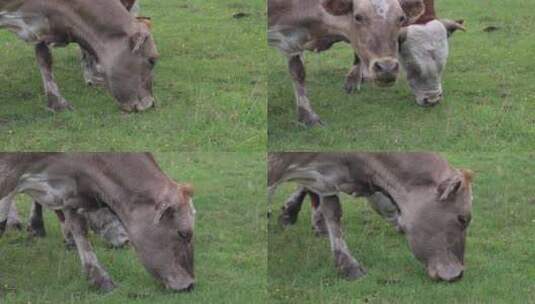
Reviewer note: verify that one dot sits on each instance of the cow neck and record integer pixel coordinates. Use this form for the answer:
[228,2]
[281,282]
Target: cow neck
[124,199]
[385,181]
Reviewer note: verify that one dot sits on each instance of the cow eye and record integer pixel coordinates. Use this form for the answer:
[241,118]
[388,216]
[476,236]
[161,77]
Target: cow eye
[359,18]
[402,19]
[464,220]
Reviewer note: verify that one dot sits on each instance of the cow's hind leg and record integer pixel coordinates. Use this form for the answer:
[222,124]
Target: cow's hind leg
[96,274]
[5,207]
[36,225]
[291,208]
[91,71]
[346,265]
[13,219]
[354,77]
[305,114]
[56,102]
[317,219]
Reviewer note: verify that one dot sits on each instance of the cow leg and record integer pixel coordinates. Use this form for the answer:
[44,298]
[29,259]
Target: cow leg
[13,219]
[345,263]
[291,208]
[354,77]
[5,207]
[317,219]
[36,225]
[56,102]
[68,238]
[305,114]
[106,224]
[90,68]
[96,274]
[384,206]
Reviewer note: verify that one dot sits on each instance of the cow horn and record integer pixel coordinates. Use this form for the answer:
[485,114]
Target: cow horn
[453,25]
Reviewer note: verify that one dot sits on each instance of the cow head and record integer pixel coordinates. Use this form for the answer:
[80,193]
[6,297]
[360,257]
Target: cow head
[374,30]
[163,238]
[129,73]
[423,53]
[435,220]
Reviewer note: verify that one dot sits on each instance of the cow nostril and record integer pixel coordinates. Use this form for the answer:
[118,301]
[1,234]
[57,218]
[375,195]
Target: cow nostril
[378,67]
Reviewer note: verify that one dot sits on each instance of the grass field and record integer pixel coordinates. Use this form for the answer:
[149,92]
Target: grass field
[499,255]
[488,87]
[230,248]
[210,84]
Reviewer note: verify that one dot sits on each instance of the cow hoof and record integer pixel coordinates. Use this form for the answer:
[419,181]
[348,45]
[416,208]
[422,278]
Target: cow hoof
[309,118]
[353,272]
[59,105]
[351,86]
[36,232]
[105,285]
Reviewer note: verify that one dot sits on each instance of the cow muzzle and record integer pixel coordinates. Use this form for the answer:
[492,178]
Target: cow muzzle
[447,273]
[429,99]
[385,71]
[139,105]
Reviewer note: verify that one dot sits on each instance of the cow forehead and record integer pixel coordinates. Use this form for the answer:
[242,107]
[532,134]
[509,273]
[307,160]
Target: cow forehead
[381,8]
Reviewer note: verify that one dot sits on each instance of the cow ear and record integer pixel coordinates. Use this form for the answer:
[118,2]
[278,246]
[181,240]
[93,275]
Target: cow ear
[128,4]
[413,9]
[448,188]
[337,7]
[453,25]
[138,39]
[163,209]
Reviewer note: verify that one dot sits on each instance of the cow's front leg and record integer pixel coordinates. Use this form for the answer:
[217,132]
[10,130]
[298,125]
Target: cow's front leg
[36,225]
[56,102]
[291,208]
[96,274]
[354,77]
[386,208]
[305,114]
[345,263]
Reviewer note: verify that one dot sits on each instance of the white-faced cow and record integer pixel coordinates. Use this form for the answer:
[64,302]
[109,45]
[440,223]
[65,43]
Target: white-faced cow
[121,47]
[157,213]
[419,193]
[423,54]
[372,28]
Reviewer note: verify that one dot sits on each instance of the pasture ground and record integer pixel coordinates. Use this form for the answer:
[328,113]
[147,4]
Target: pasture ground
[499,255]
[210,85]
[488,93]
[230,248]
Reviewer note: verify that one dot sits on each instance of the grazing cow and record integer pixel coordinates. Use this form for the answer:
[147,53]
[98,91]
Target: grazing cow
[371,27]
[420,193]
[423,54]
[121,45]
[157,213]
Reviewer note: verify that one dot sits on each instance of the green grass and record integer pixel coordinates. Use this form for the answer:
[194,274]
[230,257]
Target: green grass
[230,244]
[210,84]
[499,255]
[489,102]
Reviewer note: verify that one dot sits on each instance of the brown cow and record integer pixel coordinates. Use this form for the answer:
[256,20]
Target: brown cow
[157,213]
[371,27]
[420,193]
[122,45]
